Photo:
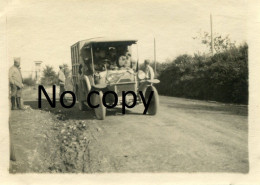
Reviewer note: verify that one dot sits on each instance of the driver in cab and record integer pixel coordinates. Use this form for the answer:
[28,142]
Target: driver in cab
[125,60]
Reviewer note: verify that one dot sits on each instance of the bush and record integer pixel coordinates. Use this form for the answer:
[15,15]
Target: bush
[29,81]
[223,77]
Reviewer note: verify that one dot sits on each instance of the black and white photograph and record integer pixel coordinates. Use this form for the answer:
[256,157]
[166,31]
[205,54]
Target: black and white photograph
[96,87]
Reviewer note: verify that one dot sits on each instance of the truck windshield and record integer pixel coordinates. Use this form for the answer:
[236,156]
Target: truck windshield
[113,57]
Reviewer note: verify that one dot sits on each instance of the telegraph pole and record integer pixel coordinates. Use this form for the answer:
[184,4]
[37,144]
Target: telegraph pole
[154,55]
[211,29]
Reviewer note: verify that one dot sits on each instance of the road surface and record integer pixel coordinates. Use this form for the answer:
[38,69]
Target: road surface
[185,136]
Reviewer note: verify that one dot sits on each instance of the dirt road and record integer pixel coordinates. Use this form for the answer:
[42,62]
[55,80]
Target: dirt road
[186,136]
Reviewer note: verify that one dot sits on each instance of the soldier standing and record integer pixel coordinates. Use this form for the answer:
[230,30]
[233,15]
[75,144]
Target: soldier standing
[16,84]
[61,77]
[149,75]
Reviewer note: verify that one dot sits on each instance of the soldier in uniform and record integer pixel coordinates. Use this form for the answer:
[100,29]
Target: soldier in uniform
[16,84]
[149,75]
[61,77]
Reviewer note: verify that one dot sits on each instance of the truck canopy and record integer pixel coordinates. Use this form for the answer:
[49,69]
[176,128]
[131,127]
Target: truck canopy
[110,41]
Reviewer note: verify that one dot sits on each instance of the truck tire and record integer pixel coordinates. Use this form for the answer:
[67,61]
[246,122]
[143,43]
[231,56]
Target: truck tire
[154,104]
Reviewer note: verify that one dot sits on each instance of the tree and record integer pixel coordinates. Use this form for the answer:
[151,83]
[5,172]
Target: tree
[220,43]
[49,76]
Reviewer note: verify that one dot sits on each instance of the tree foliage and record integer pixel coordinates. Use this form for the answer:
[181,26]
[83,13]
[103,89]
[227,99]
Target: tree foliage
[49,76]
[220,43]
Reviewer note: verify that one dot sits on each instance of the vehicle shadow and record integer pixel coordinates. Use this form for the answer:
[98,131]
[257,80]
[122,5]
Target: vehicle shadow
[73,113]
[118,111]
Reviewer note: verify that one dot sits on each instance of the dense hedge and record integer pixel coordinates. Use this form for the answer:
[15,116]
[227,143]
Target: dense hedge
[29,81]
[223,77]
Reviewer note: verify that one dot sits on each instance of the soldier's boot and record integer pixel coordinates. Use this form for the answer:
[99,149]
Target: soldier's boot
[19,103]
[13,103]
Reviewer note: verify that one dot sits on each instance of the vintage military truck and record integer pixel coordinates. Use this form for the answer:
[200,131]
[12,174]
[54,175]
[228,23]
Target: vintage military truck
[103,65]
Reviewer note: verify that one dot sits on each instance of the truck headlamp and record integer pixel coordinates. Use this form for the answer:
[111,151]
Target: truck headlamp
[109,78]
[141,75]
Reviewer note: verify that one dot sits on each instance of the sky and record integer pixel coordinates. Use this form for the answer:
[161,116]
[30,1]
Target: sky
[44,30]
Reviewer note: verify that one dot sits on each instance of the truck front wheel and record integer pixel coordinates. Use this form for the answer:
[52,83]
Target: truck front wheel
[154,104]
